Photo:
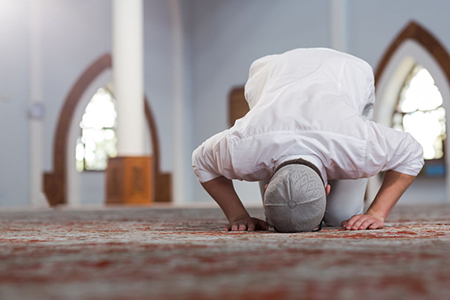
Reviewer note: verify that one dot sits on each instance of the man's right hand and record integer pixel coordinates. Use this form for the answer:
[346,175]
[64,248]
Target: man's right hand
[247,223]
[363,222]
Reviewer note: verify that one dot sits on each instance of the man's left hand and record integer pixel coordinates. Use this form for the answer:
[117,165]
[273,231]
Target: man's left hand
[247,223]
[362,222]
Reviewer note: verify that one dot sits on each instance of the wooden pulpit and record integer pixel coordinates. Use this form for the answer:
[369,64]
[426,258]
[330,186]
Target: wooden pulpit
[129,180]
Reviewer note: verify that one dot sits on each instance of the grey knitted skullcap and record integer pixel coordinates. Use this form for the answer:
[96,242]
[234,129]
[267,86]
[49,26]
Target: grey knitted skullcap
[295,199]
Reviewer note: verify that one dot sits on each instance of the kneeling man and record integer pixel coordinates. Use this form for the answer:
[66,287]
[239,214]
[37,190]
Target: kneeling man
[308,129]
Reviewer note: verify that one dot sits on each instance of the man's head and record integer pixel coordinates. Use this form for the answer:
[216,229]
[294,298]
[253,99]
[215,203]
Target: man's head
[295,198]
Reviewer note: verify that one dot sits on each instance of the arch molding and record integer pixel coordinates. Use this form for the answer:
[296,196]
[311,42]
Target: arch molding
[422,36]
[55,182]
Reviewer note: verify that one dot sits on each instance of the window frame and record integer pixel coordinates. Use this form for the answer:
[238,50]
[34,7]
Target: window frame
[108,90]
[427,162]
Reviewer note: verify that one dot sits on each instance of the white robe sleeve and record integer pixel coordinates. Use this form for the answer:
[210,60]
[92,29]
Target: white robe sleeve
[389,149]
[211,159]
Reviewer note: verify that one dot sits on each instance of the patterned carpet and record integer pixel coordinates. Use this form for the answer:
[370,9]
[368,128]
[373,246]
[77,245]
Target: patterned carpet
[162,253]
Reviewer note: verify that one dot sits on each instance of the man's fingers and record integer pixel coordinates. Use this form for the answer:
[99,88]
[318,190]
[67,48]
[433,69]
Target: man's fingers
[377,225]
[352,221]
[251,224]
[235,227]
[356,225]
[361,222]
[366,224]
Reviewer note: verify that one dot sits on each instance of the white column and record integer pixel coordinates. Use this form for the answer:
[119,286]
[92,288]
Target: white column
[338,22]
[178,119]
[36,106]
[128,76]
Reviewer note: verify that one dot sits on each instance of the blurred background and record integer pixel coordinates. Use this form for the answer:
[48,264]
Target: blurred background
[67,81]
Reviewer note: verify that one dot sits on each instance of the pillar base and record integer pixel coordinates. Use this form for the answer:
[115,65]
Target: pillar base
[129,180]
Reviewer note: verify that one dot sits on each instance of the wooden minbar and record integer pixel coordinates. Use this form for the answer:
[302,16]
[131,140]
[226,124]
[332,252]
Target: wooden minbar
[129,180]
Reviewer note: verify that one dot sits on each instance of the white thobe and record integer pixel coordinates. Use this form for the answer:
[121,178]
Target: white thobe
[310,104]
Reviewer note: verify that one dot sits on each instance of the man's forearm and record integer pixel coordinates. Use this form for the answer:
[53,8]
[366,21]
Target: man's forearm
[393,187]
[222,191]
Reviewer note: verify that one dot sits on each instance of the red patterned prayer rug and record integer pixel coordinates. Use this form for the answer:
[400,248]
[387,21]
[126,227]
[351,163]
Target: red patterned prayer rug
[156,253]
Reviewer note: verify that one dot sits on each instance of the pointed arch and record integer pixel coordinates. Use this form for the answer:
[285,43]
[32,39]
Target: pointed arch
[422,36]
[55,183]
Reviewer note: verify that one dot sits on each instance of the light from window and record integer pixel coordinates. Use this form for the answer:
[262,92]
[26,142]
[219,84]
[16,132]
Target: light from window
[98,137]
[420,112]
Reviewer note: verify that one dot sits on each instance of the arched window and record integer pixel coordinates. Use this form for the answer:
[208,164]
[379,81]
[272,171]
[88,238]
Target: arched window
[98,137]
[420,112]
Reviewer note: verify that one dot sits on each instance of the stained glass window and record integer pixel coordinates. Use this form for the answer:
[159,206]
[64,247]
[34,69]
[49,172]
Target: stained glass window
[420,112]
[98,137]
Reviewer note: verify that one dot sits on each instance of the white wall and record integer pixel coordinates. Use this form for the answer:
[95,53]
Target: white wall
[14,92]
[373,24]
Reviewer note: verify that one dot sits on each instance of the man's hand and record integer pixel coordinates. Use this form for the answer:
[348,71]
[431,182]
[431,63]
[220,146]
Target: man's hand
[393,187]
[247,223]
[362,222]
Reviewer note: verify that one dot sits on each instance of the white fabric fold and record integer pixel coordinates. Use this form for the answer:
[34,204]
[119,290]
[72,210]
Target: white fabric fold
[311,104]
